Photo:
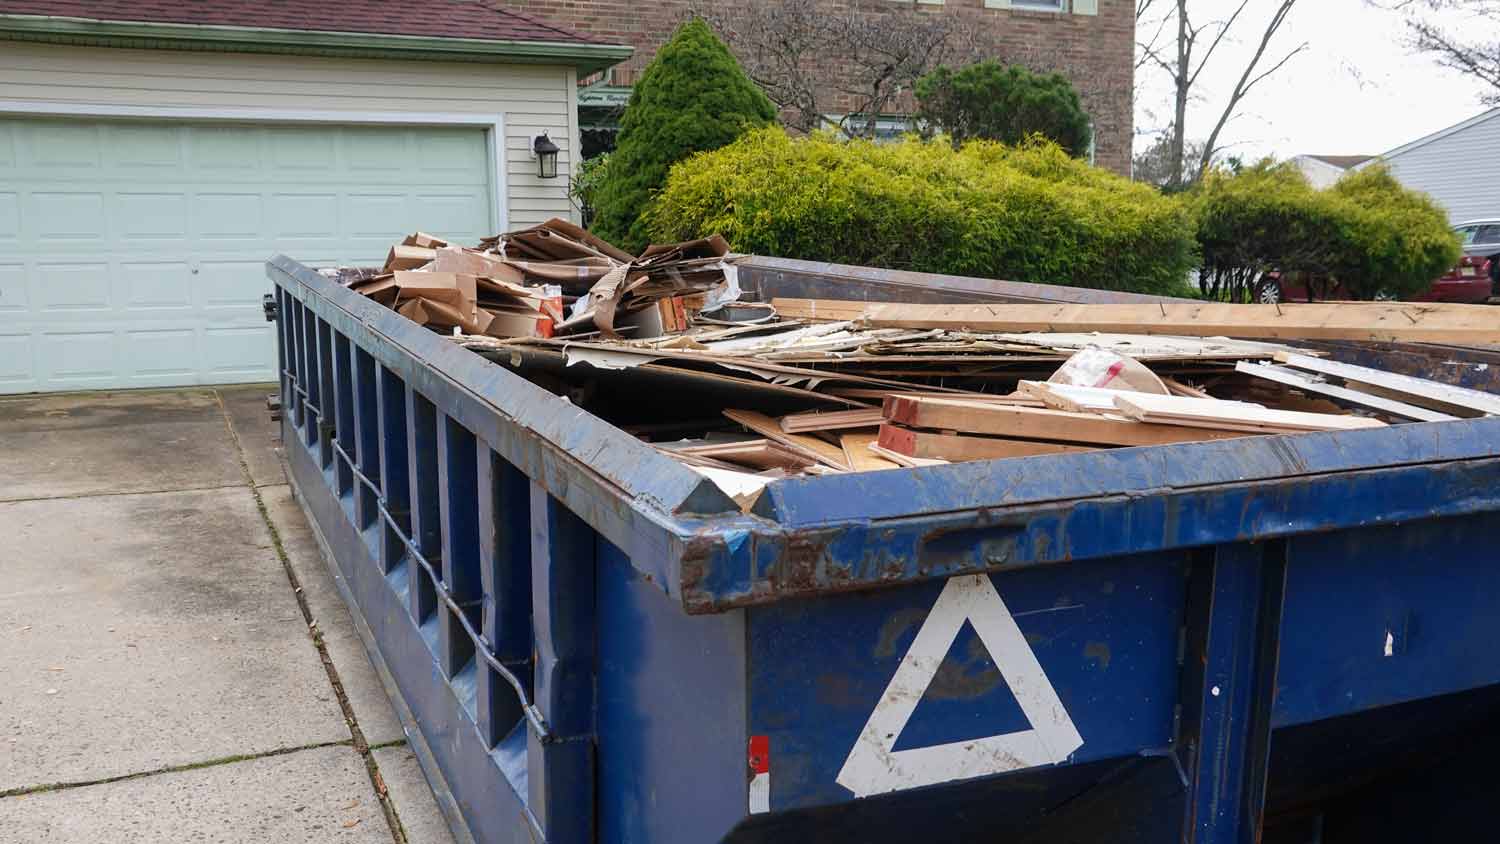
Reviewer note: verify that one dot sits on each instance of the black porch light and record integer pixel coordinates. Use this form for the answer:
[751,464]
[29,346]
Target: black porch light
[546,156]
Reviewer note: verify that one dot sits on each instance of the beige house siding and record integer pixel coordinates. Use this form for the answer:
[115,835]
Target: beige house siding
[531,98]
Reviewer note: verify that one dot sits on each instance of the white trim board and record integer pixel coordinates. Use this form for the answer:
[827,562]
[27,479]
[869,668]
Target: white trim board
[494,124]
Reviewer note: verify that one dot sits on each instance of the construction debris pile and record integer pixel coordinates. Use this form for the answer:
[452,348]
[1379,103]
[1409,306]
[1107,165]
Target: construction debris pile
[663,346]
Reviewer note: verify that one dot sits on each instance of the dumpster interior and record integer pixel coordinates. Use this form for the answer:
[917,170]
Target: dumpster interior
[671,347]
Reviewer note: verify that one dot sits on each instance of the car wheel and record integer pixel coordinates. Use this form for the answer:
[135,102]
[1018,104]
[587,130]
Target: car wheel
[1495,275]
[1269,294]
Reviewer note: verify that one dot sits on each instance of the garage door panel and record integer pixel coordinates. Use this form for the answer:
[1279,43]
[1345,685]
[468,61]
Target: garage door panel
[229,215]
[154,285]
[238,353]
[13,298]
[75,360]
[303,216]
[218,151]
[161,355]
[152,216]
[72,216]
[62,147]
[233,284]
[65,287]
[10,216]
[132,253]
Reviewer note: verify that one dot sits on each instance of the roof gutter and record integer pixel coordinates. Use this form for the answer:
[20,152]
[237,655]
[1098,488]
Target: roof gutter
[587,58]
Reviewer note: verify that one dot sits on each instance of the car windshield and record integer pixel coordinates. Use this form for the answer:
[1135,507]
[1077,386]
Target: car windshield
[1466,233]
[1488,233]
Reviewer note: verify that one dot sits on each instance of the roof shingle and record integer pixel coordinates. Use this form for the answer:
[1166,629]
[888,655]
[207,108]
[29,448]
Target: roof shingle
[481,19]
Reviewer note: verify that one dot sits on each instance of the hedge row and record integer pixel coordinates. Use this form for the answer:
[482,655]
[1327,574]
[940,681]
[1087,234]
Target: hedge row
[1026,213]
[1367,233]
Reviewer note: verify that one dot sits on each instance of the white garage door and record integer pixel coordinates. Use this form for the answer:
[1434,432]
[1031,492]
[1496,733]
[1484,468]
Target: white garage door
[132,253]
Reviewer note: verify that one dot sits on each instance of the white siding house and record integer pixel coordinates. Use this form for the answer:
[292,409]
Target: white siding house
[1459,167]
[153,156]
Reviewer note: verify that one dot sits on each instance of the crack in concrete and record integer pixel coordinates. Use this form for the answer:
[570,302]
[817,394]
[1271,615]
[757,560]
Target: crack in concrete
[362,747]
[170,769]
[79,495]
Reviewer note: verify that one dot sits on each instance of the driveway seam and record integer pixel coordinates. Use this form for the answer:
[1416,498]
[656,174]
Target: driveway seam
[25,790]
[361,746]
[80,495]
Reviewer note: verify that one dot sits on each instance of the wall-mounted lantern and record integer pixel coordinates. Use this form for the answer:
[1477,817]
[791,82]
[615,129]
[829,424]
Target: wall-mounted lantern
[545,153]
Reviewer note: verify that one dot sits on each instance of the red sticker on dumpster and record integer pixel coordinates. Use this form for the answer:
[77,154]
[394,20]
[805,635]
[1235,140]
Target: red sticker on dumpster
[760,754]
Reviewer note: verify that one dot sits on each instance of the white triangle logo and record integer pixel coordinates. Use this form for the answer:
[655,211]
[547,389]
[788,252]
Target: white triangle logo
[874,767]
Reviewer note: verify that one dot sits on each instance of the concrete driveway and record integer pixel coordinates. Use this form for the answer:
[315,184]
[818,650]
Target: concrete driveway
[177,663]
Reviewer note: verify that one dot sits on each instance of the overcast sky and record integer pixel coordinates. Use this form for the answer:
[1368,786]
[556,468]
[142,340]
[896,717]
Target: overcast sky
[1357,89]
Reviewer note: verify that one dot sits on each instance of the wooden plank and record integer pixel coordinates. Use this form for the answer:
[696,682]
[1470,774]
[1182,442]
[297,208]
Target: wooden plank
[1305,383]
[1379,321]
[1180,389]
[1077,399]
[857,451]
[957,448]
[882,395]
[818,310]
[1176,410]
[1443,397]
[798,423]
[1039,424]
[809,446]
[905,460]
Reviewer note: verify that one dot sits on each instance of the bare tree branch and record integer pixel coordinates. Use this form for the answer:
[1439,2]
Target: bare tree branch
[1476,54]
[1248,79]
[1196,47]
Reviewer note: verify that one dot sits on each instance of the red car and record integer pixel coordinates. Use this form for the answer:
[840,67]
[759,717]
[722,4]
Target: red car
[1474,280]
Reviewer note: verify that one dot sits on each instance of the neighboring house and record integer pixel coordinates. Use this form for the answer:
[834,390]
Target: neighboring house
[1323,170]
[154,153]
[1091,40]
[1458,166]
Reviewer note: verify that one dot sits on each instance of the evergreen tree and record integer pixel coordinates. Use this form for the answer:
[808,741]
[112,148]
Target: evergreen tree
[1004,103]
[691,98]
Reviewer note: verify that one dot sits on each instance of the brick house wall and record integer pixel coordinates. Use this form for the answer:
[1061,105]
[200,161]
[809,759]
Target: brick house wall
[1095,51]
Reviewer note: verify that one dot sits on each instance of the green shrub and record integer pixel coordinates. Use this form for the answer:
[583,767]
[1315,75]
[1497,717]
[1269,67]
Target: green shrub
[1366,235]
[691,97]
[1400,239]
[1005,103]
[1029,213]
[583,188]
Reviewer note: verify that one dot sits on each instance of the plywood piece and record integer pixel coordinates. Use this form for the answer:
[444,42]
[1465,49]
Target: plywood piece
[1212,413]
[1377,321]
[831,420]
[822,452]
[857,452]
[1459,401]
[1039,423]
[957,448]
[757,454]
[1306,383]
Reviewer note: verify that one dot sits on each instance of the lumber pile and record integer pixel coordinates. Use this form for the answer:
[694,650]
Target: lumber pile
[664,346]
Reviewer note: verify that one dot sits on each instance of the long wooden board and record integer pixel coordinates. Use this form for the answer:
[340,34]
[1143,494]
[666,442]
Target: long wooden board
[1039,424]
[1379,321]
[1304,382]
[826,453]
[1212,413]
[798,423]
[956,448]
[1459,401]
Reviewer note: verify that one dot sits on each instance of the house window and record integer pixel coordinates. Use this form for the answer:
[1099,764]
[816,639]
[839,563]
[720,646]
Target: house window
[1033,5]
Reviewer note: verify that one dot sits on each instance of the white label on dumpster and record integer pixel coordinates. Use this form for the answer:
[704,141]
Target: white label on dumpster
[875,767]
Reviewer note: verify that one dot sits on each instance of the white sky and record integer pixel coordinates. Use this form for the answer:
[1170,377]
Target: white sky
[1357,89]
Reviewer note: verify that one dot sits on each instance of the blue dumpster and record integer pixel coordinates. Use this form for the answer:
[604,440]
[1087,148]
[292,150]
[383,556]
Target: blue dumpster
[1280,639]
